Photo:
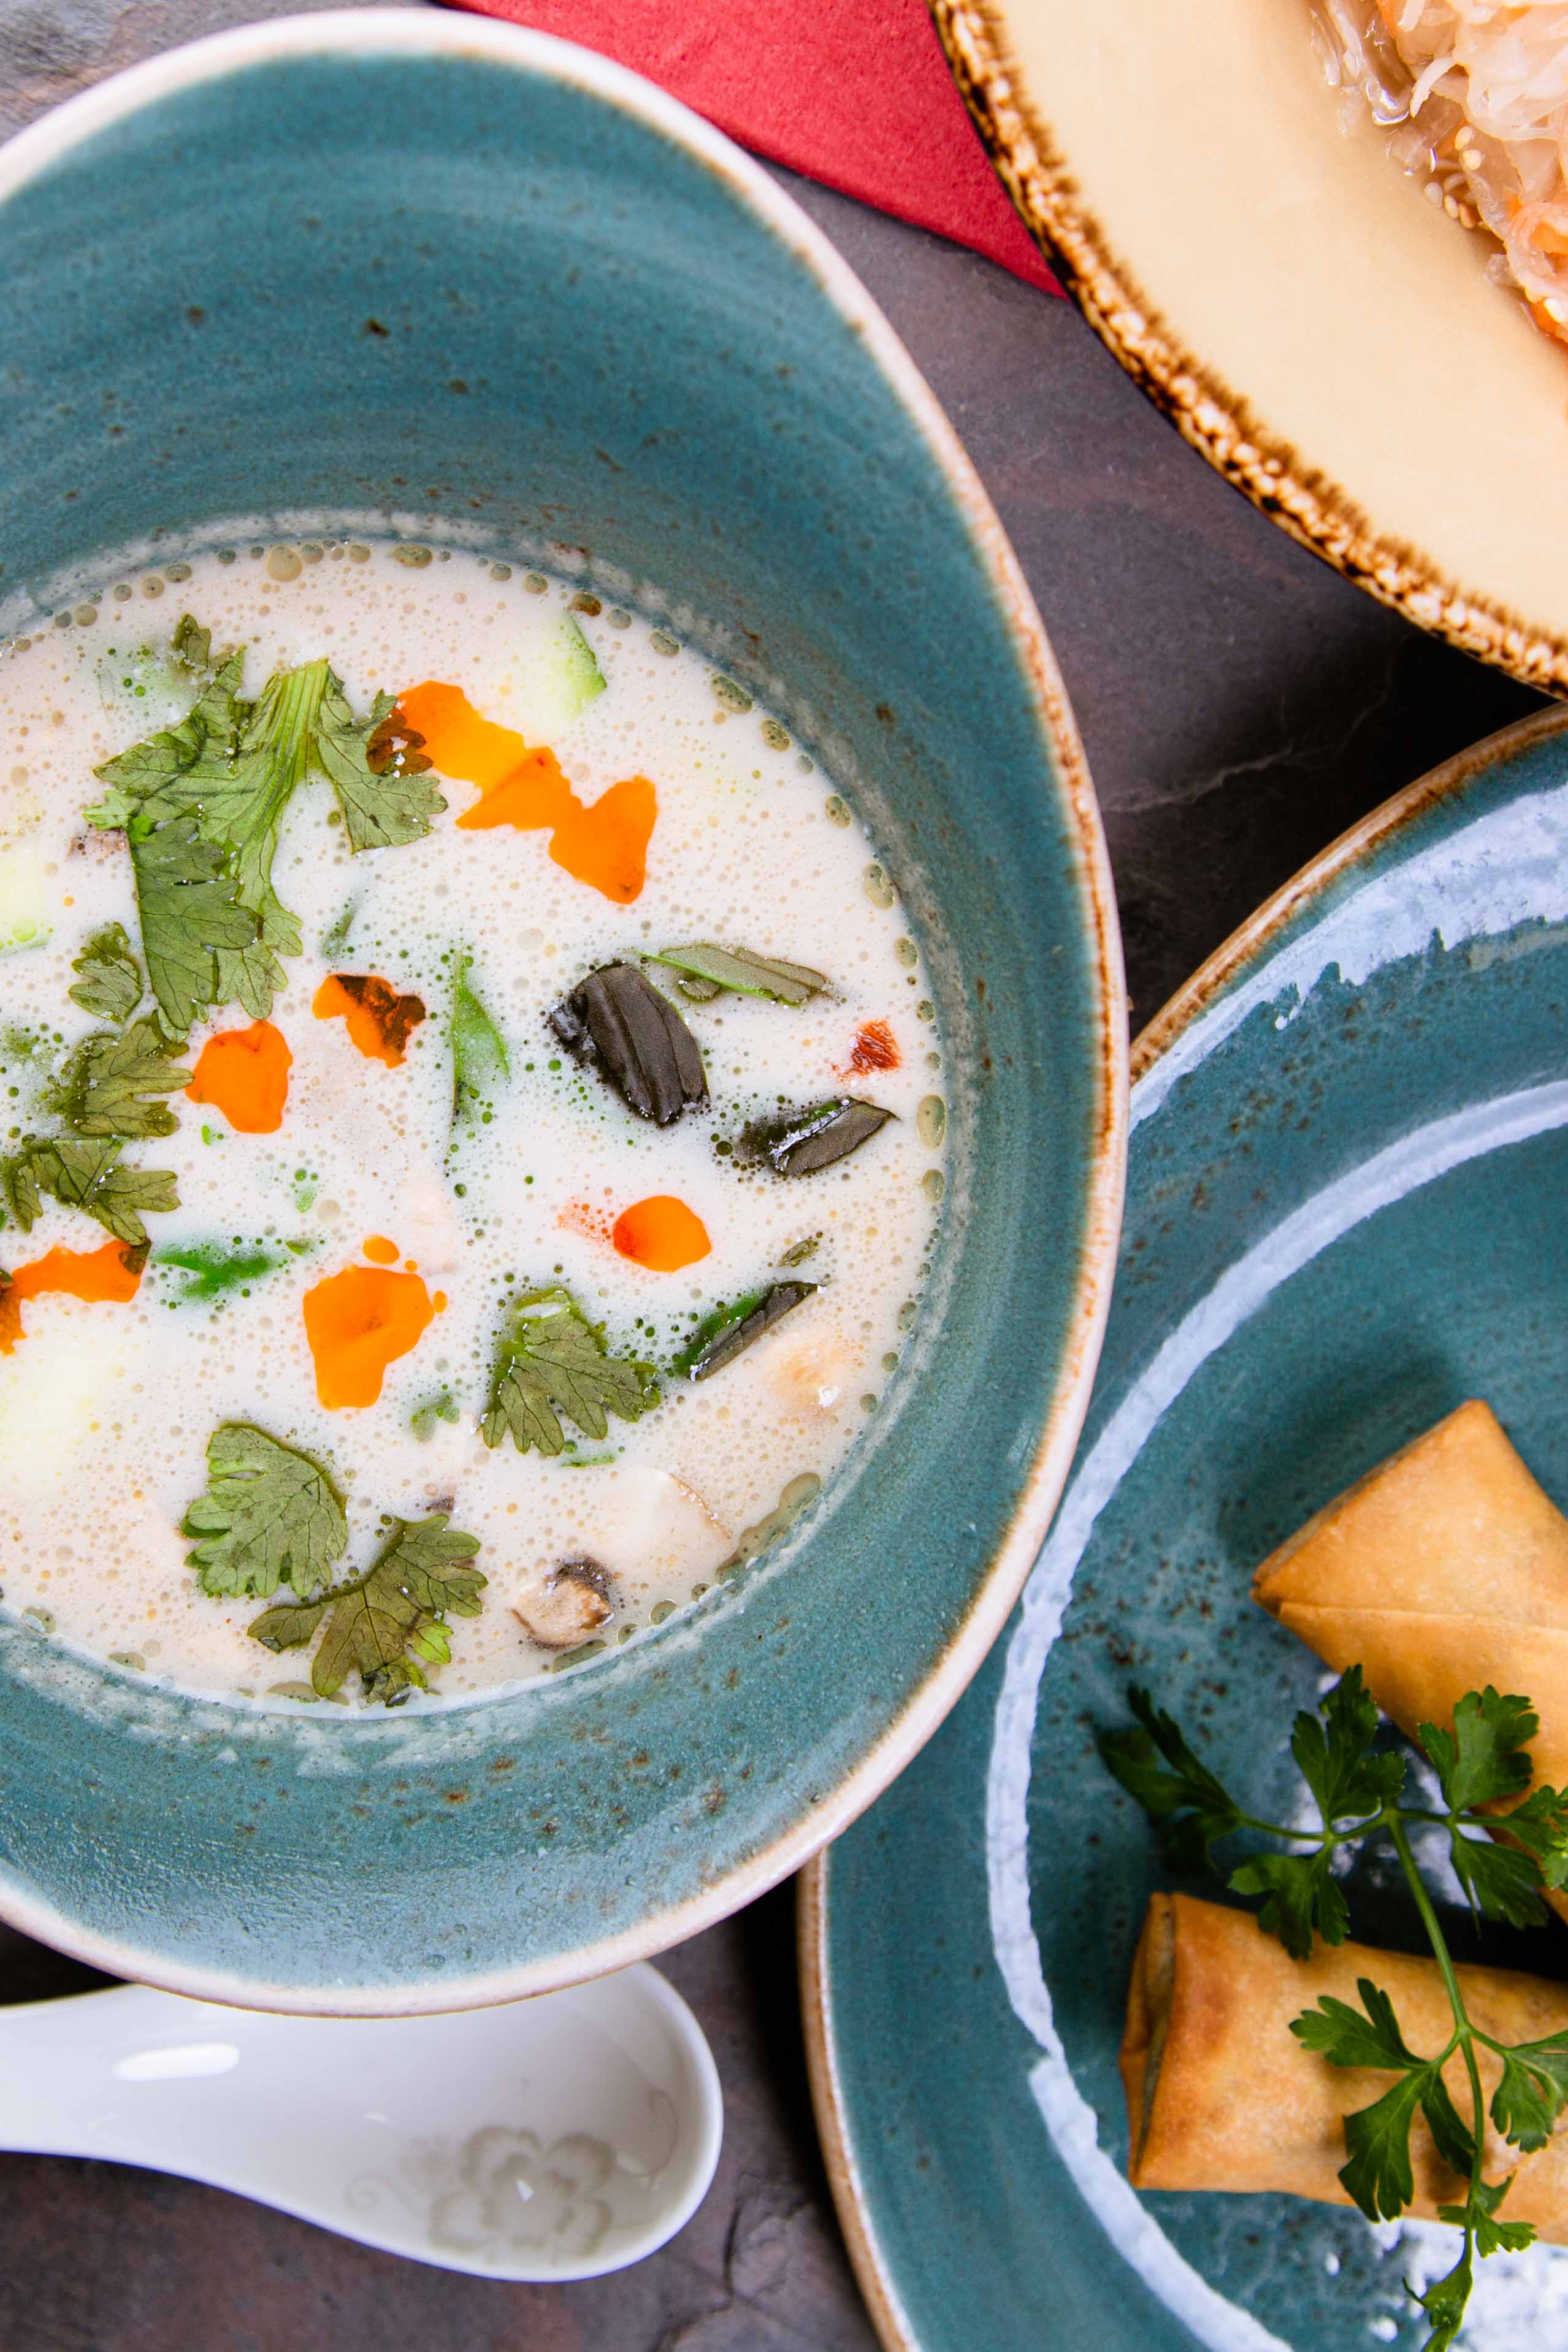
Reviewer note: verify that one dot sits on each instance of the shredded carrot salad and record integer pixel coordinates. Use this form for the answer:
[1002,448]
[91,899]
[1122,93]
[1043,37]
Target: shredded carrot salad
[1475,95]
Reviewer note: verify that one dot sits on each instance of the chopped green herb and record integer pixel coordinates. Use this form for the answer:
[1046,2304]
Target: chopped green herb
[729,1331]
[804,1141]
[442,1406]
[798,1251]
[706,970]
[617,1021]
[215,1270]
[111,983]
[389,1623]
[270,1516]
[480,1065]
[552,1361]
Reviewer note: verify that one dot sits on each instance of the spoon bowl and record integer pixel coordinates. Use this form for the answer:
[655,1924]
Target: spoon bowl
[553,2139]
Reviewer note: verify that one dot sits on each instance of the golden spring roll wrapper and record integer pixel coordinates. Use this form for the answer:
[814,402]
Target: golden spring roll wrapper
[1221,2095]
[1442,1571]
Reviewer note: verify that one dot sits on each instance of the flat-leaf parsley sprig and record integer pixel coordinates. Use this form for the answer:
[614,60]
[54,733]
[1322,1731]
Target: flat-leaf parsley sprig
[1481,1764]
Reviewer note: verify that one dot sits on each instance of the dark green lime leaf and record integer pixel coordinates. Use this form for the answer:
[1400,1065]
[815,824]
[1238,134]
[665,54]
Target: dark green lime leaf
[617,1021]
[744,972]
[729,1331]
[806,1141]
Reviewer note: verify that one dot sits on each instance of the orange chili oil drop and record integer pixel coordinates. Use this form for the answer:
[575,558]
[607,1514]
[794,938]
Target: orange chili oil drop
[661,1233]
[243,1073]
[604,844]
[358,1323]
[112,1274]
[379,1020]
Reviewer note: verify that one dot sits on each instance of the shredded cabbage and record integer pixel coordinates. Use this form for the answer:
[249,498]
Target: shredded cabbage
[1475,95]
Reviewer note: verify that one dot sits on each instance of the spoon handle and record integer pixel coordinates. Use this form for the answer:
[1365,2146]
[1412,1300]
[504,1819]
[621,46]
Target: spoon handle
[90,2075]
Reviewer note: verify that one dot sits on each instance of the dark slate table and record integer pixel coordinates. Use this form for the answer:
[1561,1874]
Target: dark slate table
[1241,705]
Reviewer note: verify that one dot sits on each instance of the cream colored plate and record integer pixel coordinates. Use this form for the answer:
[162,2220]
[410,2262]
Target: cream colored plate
[1325,336]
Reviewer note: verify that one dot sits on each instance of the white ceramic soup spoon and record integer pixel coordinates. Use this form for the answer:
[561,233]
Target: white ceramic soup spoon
[554,2139]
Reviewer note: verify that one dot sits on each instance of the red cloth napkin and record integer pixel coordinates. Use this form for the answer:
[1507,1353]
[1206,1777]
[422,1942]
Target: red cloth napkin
[853,93]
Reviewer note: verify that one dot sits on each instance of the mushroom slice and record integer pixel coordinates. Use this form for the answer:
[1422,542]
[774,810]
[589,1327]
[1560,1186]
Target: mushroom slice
[572,1604]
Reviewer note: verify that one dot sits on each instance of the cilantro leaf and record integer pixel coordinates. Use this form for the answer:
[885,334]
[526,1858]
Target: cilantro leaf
[110,985]
[19,1189]
[1483,1758]
[1300,1895]
[270,1516]
[1443,2301]
[105,1084]
[382,792]
[187,903]
[551,1360]
[1160,1771]
[1533,2091]
[1334,1752]
[1499,1882]
[388,1622]
[85,1175]
[1346,2038]
[1452,2138]
[201,804]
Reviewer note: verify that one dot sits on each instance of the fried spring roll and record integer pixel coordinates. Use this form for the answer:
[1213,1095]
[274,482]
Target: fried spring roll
[1220,2094]
[1442,1571]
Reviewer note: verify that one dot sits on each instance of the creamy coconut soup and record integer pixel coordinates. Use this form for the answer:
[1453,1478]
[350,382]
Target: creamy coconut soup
[473,1128]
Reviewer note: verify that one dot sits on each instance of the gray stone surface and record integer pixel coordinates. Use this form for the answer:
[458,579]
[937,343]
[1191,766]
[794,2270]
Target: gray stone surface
[1241,705]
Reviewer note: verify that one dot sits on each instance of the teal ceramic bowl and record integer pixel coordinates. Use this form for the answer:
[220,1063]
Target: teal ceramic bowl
[1348,1161]
[415,273]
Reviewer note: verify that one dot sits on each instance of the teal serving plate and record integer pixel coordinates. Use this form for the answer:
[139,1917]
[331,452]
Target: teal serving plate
[1347,1171]
[406,273]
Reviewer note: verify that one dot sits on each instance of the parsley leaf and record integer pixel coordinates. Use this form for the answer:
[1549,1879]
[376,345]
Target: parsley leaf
[1301,1896]
[1334,1752]
[1482,1759]
[1532,2092]
[552,1360]
[383,806]
[388,1622]
[86,1175]
[1377,2175]
[270,1516]
[104,1086]
[1541,1826]
[1443,2303]
[1499,1882]
[1346,2038]
[1156,1767]
[110,985]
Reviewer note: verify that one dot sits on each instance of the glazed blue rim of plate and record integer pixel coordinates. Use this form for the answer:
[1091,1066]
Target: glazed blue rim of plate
[1173,1041]
[1064,780]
